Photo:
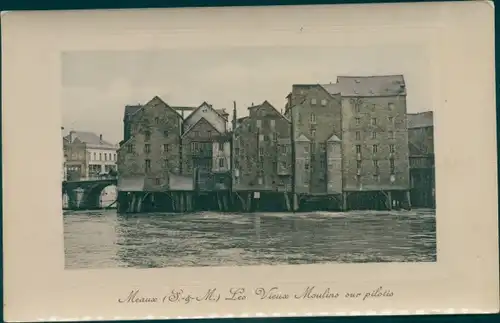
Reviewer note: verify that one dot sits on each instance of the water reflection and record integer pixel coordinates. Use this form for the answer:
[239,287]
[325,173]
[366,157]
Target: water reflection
[103,239]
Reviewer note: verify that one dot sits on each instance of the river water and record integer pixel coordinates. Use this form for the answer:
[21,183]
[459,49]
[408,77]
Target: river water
[103,239]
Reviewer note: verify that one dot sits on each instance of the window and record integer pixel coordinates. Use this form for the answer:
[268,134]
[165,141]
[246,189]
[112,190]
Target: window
[275,165]
[165,133]
[323,102]
[391,134]
[322,163]
[209,134]
[374,107]
[147,148]
[391,120]
[358,164]
[100,156]
[261,137]
[95,155]
[313,101]
[147,165]
[392,148]
[375,163]
[147,135]
[392,166]
[236,151]
[306,149]
[374,121]
[376,177]
[275,136]
[105,156]
[375,149]
[157,181]
[358,149]
[374,135]
[313,118]
[313,133]
[358,121]
[306,166]
[221,162]
[259,123]
[358,135]
[157,120]
[272,123]
[259,180]
[322,147]
[221,146]
[130,148]
[166,148]
[261,151]
[283,164]
[357,108]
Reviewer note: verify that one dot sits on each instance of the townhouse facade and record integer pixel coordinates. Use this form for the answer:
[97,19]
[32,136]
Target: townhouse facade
[88,155]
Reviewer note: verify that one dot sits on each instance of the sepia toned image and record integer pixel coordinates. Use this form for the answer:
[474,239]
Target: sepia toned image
[280,161]
[226,158]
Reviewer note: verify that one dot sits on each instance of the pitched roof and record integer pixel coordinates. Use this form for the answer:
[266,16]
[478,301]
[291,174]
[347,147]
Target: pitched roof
[332,88]
[196,123]
[302,138]
[333,138]
[420,120]
[138,108]
[271,106]
[202,105]
[377,85]
[131,109]
[222,113]
[89,138]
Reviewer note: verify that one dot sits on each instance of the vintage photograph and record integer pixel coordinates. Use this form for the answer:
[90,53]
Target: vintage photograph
[247,156]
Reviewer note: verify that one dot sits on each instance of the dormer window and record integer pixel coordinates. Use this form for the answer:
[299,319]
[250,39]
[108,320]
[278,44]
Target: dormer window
[323,102]
[313,101]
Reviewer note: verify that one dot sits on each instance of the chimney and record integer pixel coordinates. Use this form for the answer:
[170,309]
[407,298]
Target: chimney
[234,116]
[100,137]
[71,136]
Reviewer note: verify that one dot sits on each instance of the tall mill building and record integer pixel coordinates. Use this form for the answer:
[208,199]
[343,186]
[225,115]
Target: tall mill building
[367,116]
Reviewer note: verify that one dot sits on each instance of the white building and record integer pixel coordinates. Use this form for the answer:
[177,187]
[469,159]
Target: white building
[99,156]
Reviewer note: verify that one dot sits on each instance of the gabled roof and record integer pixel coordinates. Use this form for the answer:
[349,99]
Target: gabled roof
[420,120]
[333,138]
[302,138]
[204,104]
[271,106]
[131,109]
[86,137]
[369,86]
[222,113]
[155,98]
[332,88]
[195,124]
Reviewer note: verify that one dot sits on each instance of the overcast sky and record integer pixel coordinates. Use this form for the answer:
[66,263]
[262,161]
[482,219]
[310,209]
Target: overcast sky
[98,84]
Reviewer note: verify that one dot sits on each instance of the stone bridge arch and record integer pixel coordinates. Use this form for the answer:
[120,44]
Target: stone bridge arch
[85,195]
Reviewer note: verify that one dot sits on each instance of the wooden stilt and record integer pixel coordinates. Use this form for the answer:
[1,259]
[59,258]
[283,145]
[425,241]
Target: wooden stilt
[172,199]
[389,200]
[182,204]
[344,201]
[287,201]
[295,202]
[131,207]
[219,204]
[242,200]
[249,202]
[408,199]
[139,203]
[225,202]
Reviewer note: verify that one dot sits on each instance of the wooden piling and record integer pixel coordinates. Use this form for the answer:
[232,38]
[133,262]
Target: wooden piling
[287,201]
[389,200]
[408,199]
[225,202]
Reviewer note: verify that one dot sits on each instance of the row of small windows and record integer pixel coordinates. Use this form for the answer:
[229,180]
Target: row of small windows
[373,121]
[392,148]
[373,107]
[315,101]
[374,135]
[102,156]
